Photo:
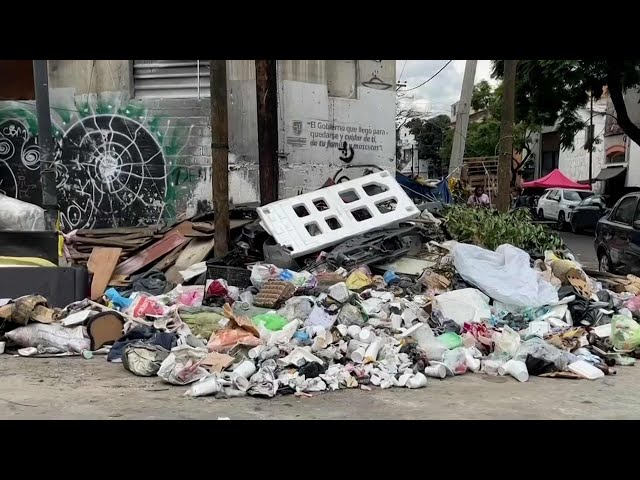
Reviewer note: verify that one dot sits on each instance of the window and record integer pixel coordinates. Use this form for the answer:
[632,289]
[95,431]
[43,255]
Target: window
[624,212]
[171,78]
[341,78]
[573,196]
[549,161]
[553,195]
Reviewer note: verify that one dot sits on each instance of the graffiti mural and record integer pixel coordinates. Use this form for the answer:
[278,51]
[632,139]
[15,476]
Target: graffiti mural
[114,165]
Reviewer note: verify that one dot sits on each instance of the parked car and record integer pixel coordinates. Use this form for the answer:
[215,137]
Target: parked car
[617,240]
[556,203]
[586,214]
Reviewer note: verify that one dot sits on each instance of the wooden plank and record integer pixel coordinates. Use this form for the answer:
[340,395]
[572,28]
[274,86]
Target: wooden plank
[167,243]
[102,263]
[107,232]
[170,259]
[196,251]
[119,281]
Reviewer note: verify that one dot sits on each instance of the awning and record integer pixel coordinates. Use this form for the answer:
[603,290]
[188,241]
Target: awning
[610,172]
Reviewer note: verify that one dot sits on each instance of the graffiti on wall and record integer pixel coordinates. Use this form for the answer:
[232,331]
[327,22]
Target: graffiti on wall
[114,165]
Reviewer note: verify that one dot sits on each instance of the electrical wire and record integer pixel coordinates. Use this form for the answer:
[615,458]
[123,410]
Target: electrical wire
[402,71]
[431,77]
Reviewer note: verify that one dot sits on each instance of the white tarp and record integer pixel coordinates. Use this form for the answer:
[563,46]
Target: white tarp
[505,275]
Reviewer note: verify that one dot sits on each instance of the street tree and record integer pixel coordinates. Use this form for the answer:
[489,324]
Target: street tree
[430,135]
[550,92]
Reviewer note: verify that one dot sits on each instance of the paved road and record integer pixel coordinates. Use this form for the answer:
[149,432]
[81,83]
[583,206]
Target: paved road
[582,247]
[75,388]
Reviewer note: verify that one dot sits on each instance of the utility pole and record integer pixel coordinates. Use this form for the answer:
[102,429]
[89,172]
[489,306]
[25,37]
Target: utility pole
[590,139]
[267,100]
[219,155]
[506,134]
[45,142]
[462,119]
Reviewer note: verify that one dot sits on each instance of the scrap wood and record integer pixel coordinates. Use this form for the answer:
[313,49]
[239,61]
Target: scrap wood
[102,263]
[197,250]
[107,232]
[171,258]
[168,242]
[119,281]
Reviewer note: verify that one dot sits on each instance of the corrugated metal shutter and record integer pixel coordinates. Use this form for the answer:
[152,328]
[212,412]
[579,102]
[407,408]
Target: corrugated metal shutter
[171,78]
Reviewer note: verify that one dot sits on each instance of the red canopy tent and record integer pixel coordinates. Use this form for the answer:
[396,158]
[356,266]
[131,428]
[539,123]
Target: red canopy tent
[556,179]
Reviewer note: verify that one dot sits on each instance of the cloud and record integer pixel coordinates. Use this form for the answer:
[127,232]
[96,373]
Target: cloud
[438,94]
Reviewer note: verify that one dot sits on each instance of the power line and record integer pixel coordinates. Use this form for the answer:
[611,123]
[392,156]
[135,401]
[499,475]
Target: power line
[402,71]
[431,77]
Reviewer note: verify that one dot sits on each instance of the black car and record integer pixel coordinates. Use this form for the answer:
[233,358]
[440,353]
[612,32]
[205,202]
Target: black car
[586,214]
[618,237]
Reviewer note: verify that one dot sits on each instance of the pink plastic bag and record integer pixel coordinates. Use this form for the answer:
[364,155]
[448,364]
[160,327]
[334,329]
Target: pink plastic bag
[633,304]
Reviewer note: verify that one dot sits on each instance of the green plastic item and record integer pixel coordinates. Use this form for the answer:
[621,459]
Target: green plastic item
[625,333]
[450,340]
[270,321]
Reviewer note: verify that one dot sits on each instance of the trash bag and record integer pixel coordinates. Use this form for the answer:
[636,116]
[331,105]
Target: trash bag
[505,275]
[633,304]
[625,333]
[450,340]
[62,339]
[270,321]
[456,360]
[182,365]
[297,307]
[463,306]
[143,359]
[264,382]
[539,349]
[18,215]
[508,341]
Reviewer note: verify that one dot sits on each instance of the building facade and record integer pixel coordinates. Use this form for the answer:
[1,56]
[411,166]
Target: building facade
[132,138]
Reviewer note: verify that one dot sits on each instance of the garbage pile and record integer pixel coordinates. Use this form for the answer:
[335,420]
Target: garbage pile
[395,304]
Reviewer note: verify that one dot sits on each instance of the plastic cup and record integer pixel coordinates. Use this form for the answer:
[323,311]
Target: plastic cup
[358,355]
[245,369]
[436,371]
[353,331]
[2,346]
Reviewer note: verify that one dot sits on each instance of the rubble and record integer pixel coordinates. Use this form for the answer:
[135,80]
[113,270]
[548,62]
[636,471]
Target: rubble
[346,317]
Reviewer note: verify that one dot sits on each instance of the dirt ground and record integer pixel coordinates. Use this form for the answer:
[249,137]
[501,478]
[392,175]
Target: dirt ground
[75,388]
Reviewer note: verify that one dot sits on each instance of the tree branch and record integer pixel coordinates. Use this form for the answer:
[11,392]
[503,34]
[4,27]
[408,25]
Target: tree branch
[614,82]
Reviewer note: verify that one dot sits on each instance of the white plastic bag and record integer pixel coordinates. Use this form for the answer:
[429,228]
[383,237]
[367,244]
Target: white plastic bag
[456,360]
[467,305]
[63,339]
[182,366]
[505,275]
[18,215]
[508,341]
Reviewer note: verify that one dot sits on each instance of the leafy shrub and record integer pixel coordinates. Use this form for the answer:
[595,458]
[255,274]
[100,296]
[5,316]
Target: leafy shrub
[488,228]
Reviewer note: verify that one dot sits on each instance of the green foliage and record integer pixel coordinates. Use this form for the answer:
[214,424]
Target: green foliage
[430,135]
[490,229]
[482,96]
[550,91]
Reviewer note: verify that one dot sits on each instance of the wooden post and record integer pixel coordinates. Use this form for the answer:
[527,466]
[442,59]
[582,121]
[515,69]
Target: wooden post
[220,155]
[506,135]
[267,99]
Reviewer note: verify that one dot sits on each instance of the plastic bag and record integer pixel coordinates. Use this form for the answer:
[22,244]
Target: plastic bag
[144,305]
[633,304]
[467,305]
[505,275]
[508,341]
[625,333]
[63,339]
[297,307]
[450,340]
[538,348]
[456,360]
[18,215]
[224,340]
[270,321]
[182,366]
[262,272]
[359,279]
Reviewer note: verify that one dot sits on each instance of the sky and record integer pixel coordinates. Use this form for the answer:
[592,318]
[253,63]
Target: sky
[437,95]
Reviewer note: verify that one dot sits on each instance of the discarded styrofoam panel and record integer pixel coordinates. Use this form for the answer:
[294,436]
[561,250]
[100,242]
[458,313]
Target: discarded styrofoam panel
[316,220]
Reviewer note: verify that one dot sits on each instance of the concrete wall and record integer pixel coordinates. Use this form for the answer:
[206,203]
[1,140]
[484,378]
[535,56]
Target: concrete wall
[575,163]
[123,161]
[324,136]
